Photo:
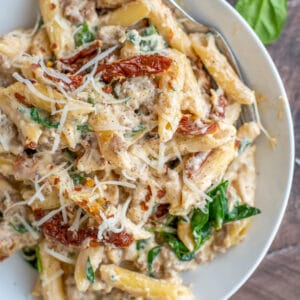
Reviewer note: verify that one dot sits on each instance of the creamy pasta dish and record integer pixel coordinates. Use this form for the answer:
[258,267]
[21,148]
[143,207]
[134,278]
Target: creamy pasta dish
[123,157]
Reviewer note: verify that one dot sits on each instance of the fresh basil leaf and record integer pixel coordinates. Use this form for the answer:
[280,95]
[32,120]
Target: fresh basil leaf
[152,254]
[89,272]
[240,212]
[85,128]
[18,228]
[180,250]
[140,244]
[38,259]
[150,30]
[35,115]
[243,145]
[84,35]
[266,17]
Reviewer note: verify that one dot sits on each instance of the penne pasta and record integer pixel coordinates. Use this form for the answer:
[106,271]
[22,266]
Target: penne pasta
[140,285]
[220,69]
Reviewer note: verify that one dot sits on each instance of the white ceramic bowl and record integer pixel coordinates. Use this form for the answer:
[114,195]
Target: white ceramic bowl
[222,277]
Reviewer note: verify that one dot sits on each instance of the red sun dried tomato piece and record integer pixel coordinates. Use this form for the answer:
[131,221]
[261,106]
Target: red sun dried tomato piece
[188,125]
[134,66]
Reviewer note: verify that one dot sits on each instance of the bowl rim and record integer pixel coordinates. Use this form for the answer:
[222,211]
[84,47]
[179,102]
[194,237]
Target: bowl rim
[226,6]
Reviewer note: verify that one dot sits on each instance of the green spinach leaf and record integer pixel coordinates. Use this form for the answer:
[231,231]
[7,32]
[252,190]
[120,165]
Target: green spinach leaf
[240,212]
[218,208]
[178,247]
[266,17]
[152,254]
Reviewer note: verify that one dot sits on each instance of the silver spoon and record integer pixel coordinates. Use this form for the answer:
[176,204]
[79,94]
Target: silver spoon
[192,26]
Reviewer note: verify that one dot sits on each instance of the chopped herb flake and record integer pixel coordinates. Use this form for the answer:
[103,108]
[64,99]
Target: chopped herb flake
[84,35]
[18,228]
[90,274]
[84,128]
[35,115]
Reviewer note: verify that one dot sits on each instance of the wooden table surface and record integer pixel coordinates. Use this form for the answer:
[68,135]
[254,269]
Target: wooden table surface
[278,276]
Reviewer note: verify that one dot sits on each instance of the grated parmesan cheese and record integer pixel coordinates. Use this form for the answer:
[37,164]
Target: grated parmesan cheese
[48,216]
[96,59]
[76,224]
[34,91]
[62,122]
[27,226]
[192,186]
[59,256]
[110,224]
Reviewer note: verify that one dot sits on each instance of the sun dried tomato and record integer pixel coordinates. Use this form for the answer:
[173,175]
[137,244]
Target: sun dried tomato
[121,239]
[55,229]
[134,66]
[107,89]
[84,53]
[188,125]
[160,211]
[149,193]
[161,193]
[76,81]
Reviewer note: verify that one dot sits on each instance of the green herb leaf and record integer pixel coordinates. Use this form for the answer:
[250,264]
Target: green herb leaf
[218,208]
[38,259]
[149,31]
[18,228]
[140,244]
[90,274]
[77,179]
[152,254]
[201,229]
[35,116]
[84,128]
[242,211]
[84,35]
[266,17]
[180,250]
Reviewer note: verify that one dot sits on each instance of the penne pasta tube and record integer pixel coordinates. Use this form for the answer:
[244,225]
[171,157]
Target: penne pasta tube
[220,69]
[141,285]
[127,15]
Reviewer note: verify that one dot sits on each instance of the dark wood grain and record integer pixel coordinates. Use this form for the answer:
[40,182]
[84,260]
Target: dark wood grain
[278,276]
